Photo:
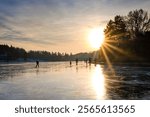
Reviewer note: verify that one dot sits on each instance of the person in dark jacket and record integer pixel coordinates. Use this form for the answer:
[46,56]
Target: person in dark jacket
[37,64]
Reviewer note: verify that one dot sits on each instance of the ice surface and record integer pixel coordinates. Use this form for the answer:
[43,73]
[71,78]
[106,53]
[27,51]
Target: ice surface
[59,80]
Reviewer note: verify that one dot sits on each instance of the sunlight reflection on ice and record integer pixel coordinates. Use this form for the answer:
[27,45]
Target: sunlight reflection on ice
[98,81]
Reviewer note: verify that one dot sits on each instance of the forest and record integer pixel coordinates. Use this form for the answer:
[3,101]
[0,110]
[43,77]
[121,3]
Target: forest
[10,53]
[127,38]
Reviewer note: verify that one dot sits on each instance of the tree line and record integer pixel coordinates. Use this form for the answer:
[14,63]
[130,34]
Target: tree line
[10,53]
[127,38]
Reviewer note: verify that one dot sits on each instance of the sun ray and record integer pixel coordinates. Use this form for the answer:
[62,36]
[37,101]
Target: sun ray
[108,61]
[107,48]
[110,41]
[117,49]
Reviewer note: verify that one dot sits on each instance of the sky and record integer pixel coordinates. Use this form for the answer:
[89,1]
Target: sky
[58,25]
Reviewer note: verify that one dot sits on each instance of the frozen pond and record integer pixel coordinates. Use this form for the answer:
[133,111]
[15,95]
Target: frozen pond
[59,80]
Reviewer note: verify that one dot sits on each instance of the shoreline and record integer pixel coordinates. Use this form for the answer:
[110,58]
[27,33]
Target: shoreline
[144,64]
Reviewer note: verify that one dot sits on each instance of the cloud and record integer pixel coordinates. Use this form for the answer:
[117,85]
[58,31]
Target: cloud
[124,2]
[11,35]
[58,22]
[39,22]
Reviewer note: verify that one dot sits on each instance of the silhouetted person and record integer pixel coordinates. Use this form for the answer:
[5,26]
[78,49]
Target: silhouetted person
[76,61]
[95,62]
[86,61]
[37,64]
[90,61]
[70,63]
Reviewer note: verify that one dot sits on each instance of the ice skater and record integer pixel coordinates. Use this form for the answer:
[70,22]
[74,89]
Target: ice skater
[70,63]
[37,64]
[76,61]
[90,61]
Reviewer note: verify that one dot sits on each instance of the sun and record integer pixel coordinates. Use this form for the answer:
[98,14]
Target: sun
[96,37]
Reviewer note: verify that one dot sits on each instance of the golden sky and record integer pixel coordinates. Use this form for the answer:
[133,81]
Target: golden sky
[58,25]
